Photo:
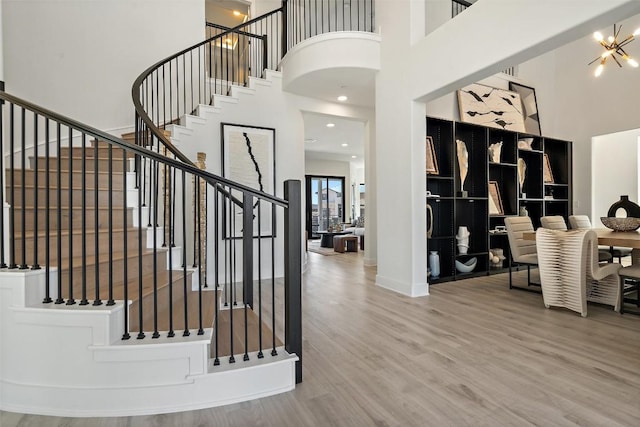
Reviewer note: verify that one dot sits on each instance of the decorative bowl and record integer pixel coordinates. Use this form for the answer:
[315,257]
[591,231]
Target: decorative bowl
[621,224]
[467,266]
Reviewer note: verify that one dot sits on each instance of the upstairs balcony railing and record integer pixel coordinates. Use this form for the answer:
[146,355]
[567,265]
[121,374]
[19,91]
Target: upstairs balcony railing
[308,18]
[459,6]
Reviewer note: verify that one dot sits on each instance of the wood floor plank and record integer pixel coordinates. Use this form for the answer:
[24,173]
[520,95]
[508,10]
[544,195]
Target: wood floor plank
[471,353]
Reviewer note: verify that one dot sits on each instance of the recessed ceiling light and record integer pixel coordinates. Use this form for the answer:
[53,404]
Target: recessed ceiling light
[330,125]
[236,13]
[354,157]
[342,98]
[345,144]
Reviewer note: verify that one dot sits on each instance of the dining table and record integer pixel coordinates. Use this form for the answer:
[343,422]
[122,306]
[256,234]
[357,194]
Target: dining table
[606,237]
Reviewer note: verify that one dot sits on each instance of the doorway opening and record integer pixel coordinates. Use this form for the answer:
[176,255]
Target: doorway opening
[324,203]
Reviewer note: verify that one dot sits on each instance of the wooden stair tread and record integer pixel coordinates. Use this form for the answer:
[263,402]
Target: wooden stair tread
[76,261]
[75,231]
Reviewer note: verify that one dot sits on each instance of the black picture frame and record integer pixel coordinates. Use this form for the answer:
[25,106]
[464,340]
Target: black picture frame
[249,158]
[529,107]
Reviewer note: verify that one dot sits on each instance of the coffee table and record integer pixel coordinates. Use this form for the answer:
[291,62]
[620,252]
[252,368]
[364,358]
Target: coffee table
[326,241]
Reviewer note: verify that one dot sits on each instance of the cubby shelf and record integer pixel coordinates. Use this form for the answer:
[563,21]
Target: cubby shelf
[451,211]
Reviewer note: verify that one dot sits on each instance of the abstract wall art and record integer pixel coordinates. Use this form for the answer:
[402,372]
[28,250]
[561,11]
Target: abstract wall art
[529,107]
[248,157]
[490,106]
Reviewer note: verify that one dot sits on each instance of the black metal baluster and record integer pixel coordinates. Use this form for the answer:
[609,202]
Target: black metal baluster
[213,75]
[96,205]
[234,292]
[3,264]
[186,332]
[216,326]
[200,320]
[164,100]
[172,235]
[184,83]
[23,148]
[125,247]
[227,250]
[232,272]
[70,299]
[156,334]
[169,209]
[191,79]
[110,300]
[12,216]
[274,352]
[206,232]
[59,300]
[260,354]
[247,265]
[170,94]
[36,233]
[47,223]
[195,219]
[83,287]
[141,334]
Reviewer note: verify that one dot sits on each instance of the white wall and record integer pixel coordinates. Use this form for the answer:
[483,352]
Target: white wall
[480,49]
[614,171]
[399,156]
[80,58]
[575,105]
[266,106]
[572,103]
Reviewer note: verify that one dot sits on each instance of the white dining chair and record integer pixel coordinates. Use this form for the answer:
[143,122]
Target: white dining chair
[570,274]
[522,251]
[555,222]
[562,264]
[602,279]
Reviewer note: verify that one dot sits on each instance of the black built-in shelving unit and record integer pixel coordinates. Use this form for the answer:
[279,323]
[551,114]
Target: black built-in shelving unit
[451,210]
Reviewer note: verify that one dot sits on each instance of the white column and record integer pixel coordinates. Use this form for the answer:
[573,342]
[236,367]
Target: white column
[371,211]
[400,154]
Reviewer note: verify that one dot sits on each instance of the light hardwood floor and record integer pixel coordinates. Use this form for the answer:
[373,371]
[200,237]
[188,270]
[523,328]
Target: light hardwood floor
[471,353]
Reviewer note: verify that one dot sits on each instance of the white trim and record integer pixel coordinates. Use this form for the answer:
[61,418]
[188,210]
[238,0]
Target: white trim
[408,289]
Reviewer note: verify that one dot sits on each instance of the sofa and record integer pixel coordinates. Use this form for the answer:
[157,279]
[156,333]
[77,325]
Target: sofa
[357,228]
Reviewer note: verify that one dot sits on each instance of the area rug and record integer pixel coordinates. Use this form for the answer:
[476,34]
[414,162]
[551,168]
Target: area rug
[315,247]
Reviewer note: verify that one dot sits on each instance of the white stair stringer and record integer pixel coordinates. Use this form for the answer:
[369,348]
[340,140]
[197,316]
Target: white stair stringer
[71,361]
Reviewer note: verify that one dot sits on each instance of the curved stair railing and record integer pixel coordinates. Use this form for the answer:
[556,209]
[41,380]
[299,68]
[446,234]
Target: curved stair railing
[86,207]
[175,86]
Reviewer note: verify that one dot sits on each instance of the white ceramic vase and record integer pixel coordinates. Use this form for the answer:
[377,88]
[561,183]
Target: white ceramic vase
[434,264]
[463,239]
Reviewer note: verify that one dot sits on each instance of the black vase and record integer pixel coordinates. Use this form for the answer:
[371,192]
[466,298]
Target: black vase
[632,210]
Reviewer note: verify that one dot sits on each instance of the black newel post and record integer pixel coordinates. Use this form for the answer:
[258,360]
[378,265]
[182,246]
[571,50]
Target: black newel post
[293,273]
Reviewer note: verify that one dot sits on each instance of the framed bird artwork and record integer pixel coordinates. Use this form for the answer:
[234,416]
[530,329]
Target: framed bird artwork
[490,106]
